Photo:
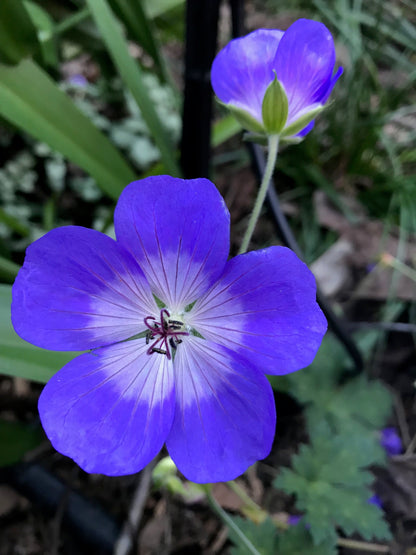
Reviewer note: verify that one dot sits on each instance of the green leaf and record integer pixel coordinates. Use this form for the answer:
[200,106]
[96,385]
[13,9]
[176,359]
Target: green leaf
[156,8]
[224,129]
[45,31]
[331,486]
[19,358]
[356,406]
[300,123]
[141,30]
[31,100]
[275,107]
[18,37]
[131,75]
[263,536]
[297,540]
[8,270]
[15,440]
[359,404]
[14,223]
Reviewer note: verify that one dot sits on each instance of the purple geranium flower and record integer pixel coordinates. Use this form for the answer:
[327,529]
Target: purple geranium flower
[390,440]
[302,58]
[190,374]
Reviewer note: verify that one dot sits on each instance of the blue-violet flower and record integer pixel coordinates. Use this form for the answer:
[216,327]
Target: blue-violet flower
[301,58]
[189,374]
[391,441]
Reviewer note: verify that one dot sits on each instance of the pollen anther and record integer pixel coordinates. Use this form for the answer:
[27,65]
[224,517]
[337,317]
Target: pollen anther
[166,332]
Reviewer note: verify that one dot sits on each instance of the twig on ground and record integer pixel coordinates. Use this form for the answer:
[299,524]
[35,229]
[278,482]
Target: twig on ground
[363,546]
[125,541]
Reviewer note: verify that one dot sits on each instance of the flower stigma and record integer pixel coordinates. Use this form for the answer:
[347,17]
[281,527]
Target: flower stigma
[166,331]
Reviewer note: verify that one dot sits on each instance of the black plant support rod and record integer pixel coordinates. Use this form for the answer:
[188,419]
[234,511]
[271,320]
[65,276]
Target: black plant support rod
[201,44]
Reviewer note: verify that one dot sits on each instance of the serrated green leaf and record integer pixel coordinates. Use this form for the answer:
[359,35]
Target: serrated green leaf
[358,406]
[16,439]
[297,540]
[322,374]
[331,486]
[275,107]
[263,536]
[367,401]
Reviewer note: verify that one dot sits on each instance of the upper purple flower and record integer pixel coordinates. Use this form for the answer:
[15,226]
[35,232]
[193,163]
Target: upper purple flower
[190,374]
[302,58]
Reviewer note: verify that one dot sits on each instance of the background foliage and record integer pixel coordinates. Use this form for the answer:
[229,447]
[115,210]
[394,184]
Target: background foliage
[90,100]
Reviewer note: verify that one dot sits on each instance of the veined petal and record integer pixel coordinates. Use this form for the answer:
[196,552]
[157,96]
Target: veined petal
[243,70]
[178,231]
[304,63]
[331,84]
[110,410]
[264,307]
[225,415]
[78,289]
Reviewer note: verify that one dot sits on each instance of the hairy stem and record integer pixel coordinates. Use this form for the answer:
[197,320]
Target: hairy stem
[268,172]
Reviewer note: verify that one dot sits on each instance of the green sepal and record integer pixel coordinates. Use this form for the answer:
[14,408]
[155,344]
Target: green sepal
[275,107]
[244,118]
[290,140]
[263,140]
[259,138]
[301,122]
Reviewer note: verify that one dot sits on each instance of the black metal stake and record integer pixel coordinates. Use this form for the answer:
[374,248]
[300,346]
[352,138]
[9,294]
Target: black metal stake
[201,43]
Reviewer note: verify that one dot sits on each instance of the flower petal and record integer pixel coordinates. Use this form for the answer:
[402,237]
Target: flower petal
[264,307]
[243,69]
[225,415]
[110,410]
[304,63]
[79,289]
[178,231]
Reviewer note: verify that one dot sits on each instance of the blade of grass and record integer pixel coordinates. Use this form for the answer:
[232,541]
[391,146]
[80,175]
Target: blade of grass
[45,28]
[8,270]
[13,223]
[224,129]
[131,75]
[72,21]
[141,30]
[18,36]
[156,8]
[31,100]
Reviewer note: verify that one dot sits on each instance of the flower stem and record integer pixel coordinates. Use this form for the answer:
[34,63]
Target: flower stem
[225,517]
[273,143]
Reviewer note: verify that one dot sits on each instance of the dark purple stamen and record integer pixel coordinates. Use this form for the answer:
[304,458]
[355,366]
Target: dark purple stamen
[165,331]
